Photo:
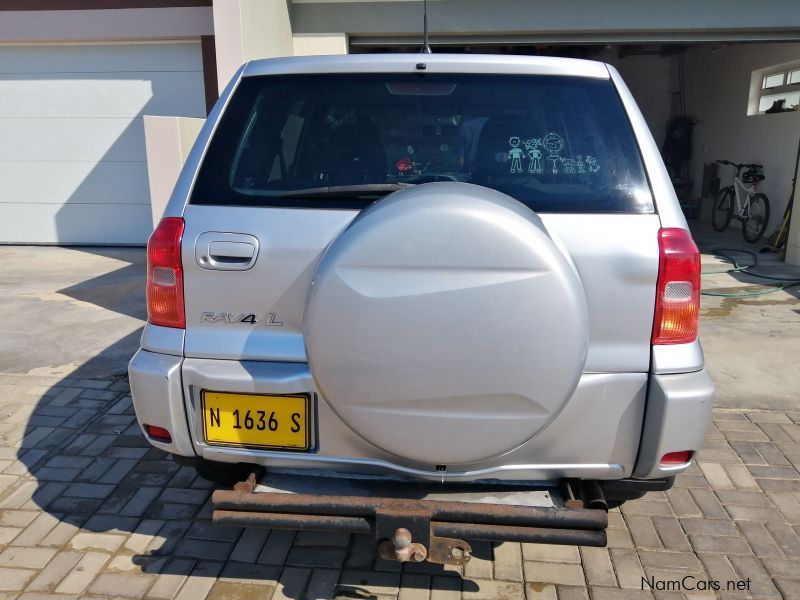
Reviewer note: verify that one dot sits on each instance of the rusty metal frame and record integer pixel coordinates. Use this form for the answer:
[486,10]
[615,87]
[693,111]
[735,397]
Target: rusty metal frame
[414,530]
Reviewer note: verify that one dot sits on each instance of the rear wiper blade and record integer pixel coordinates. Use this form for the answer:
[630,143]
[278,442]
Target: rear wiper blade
[364,189]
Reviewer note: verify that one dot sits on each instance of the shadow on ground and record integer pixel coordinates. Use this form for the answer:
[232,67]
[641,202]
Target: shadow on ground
[92,471]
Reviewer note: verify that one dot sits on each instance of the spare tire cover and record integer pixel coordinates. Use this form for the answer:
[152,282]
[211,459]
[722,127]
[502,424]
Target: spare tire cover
[445,326]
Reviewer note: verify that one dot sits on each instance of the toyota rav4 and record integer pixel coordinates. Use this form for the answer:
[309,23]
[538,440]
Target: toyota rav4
[434,298]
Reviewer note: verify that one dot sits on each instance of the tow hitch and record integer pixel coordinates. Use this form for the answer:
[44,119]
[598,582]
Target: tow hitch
[412,526]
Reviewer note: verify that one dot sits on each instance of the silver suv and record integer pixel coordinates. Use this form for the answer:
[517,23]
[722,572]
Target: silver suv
[432,295]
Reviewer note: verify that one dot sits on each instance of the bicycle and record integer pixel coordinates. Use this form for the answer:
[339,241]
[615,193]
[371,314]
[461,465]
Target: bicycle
[752,211]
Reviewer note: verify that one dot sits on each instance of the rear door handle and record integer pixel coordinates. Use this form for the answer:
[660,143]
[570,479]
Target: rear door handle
[220,251]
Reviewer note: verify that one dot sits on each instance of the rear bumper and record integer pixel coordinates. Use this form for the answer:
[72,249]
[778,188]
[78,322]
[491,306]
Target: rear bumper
[676,418]
[597,436]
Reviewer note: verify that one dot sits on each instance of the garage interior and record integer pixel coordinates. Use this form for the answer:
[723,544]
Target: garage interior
[719,86]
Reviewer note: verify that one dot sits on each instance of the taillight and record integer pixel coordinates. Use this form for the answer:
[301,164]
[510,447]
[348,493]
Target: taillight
[678,295]
[158,433]
[165,275]
[676,458]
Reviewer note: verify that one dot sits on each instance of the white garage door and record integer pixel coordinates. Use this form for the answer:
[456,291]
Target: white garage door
[72,154]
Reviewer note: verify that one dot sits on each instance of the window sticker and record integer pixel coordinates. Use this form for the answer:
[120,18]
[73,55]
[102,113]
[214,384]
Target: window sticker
[515,154]
[547,148]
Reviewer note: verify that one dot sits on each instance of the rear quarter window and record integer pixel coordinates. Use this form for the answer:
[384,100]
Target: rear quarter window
[557,144]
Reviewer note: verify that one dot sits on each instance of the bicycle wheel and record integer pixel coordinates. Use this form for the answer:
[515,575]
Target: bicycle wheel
[723,209]
[754,226]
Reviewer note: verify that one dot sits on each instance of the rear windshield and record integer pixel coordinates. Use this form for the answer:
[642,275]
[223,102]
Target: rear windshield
[557,144]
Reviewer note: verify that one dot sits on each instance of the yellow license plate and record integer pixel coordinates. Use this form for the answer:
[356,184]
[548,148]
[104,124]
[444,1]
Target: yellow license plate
[255,420]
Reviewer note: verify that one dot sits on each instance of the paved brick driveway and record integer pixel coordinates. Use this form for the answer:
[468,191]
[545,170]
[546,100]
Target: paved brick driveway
[88,509]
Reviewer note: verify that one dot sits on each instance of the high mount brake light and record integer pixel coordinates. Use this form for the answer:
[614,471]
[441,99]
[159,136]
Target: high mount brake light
[165,275]
[678,288]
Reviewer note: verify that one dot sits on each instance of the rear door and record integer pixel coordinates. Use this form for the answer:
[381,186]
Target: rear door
[561,145]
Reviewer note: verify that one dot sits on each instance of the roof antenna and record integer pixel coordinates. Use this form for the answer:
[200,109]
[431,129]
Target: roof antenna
[426,49]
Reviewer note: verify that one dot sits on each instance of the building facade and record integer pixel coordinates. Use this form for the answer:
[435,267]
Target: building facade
[100,100]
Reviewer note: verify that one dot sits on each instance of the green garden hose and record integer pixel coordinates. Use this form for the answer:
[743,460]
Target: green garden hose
[738,268]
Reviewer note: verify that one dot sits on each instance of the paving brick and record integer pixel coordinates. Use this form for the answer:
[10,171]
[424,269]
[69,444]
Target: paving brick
[716,475]
[568,592]
[741,478]
[605,593]
[480,565]
[768,417]
[168,583]
[671,534]
[682,502]
[206,530]
[736,425]
[670,561]
[167,539]
[747,453]
[782,567]
[773,472]
[709,527]
[759,539]
[780,485]
[719,543]
[277,547]
[784,536]
[789,589]
[14,580]
[54,572]
[79,578]
[775,432]
[551,553]
[753,513]
[97,470]
[140,502]
[31,558]
[370,582]
[414,586]
[38,528]
[201,581]
[750,567]
[619,538]
[708,503]
[56,474]
[111,524]
[750,435]
[310,556]
[7,534]
[508,562]
[646,508]
[556,573]
[360,552]
[788,505]
[772,455]
[116,584]
[249,546]
[627,567]
[183,496]
[17,518]
[203,549]
[486,589]
[97,541]
[597,566]
[718,567]
[643,531]
[84,506]
[744,498]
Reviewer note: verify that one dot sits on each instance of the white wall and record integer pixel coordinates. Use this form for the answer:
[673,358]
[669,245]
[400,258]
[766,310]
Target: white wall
[652,80]
[717,84]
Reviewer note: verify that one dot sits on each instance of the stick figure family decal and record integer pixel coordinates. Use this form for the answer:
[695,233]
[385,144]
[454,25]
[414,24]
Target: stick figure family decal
[534,150]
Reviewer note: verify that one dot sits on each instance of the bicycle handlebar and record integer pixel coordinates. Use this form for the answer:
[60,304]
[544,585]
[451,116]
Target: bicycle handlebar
[740,165]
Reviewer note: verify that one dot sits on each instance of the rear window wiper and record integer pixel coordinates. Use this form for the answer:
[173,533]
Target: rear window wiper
[364,189]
